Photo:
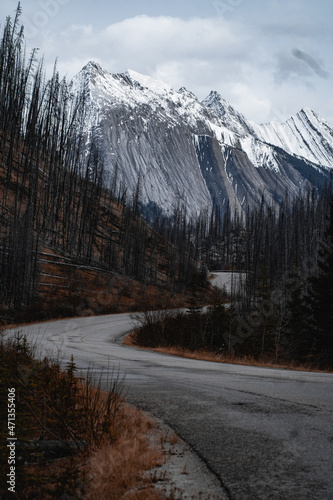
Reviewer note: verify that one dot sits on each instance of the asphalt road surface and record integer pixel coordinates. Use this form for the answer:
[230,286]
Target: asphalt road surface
[227,280]
[265,433]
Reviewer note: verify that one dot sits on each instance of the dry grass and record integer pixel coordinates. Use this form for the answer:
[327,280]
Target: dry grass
[97,296]
[118,466]
[227,358]
[119,470]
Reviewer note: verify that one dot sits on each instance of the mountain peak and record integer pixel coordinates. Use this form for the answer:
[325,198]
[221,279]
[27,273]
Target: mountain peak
[214,100]
[311,115]
[305,134]
[188,93]
[93,67]
[230,117]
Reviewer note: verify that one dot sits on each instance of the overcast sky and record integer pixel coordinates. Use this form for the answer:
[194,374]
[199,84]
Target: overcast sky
[268,58]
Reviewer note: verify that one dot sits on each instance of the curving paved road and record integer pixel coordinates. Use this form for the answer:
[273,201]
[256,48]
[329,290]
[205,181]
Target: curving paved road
[265,433]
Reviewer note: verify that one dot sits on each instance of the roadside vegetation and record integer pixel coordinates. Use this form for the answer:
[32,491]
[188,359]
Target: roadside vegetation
[289,325]
[74,440]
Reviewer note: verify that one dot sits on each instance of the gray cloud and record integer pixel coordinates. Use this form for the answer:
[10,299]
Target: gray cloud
[245,55]
[289,69]
[200,54]
[303,56]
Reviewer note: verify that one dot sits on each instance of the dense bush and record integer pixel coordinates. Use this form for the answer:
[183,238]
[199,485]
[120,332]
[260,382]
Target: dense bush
[194,328]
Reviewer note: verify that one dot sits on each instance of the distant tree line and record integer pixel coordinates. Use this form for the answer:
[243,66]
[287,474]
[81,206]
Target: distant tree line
[283,306]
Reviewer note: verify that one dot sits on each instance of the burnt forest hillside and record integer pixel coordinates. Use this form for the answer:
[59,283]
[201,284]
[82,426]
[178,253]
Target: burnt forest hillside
[68,245]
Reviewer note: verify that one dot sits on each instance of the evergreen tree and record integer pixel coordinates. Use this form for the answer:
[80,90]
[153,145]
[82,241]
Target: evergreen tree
[297,337]
[321,299]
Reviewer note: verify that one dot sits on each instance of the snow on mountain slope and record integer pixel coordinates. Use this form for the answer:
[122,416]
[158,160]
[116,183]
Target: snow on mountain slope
[148,82]
[228,117]
[141,135]
[306,134]
[189,152]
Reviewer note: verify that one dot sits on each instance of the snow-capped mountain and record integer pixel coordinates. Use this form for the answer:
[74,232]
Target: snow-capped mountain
[189,152]
[306,135]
